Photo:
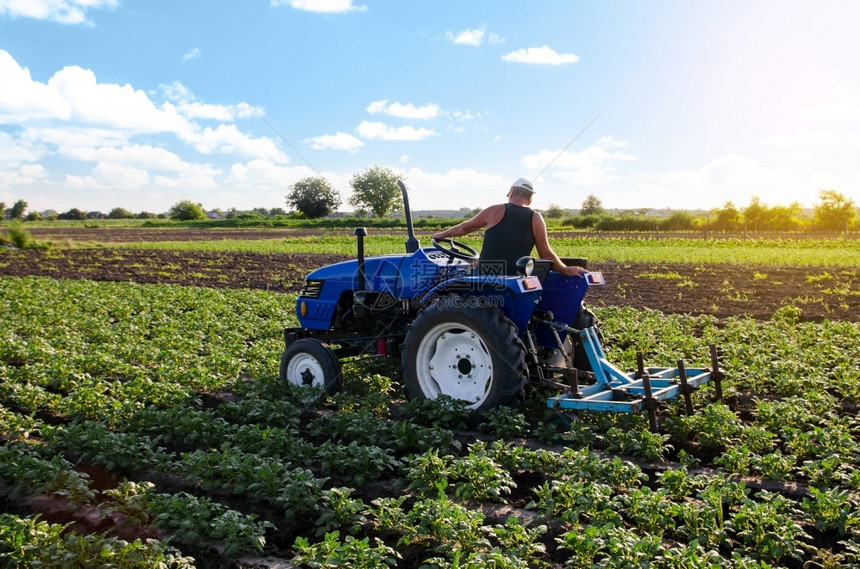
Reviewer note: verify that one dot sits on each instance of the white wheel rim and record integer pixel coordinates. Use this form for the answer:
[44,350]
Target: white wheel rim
[453,360]
[304,370]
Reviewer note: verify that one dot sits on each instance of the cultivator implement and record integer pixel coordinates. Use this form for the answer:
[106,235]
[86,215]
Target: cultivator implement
[614,390]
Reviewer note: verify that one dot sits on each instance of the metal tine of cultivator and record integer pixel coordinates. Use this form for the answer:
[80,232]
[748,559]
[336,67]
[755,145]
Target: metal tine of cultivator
[648,401]
[716,374]
[617,391]
[686,388]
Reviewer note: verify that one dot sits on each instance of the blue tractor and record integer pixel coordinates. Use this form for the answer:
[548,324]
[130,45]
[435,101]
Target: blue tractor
[477,338]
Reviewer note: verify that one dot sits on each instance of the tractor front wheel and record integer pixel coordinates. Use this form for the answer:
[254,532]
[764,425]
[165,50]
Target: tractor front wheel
[310,362]
[472,354]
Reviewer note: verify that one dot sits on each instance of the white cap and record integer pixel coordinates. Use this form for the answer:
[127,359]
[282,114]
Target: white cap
[523,184]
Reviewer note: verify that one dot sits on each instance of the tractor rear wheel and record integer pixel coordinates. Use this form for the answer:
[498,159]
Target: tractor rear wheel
[310,362]
[472,354]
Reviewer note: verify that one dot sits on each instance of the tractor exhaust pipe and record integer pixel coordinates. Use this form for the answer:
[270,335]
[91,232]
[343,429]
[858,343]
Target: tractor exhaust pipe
[412,243]
[360,233]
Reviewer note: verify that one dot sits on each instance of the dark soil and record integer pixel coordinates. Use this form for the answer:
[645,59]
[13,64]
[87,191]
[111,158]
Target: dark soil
[147,234]
[720,290]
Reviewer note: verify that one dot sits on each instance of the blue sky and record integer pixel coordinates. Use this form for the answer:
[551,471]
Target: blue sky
[141,104]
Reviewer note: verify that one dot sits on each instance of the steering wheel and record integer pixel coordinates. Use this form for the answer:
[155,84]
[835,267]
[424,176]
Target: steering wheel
[453,249]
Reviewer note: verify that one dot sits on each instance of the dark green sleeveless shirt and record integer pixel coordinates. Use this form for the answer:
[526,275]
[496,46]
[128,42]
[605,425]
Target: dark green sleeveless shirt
[507,241]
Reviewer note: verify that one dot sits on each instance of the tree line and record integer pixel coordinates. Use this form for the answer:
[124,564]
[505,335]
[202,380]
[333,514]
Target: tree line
[832,212]
[375,192]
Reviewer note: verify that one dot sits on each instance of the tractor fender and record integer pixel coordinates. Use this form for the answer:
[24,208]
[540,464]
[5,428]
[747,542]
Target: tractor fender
[516,296]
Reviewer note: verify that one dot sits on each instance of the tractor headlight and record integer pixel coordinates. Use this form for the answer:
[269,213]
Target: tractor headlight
[525,266]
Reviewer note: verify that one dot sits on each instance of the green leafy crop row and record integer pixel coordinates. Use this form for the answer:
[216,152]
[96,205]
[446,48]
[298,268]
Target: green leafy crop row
[174,390]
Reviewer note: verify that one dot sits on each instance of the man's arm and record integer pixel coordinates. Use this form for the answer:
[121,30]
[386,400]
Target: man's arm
[468,226]
[545,251]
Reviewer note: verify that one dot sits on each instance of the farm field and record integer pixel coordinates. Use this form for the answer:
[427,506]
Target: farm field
[148,416]
[719,277]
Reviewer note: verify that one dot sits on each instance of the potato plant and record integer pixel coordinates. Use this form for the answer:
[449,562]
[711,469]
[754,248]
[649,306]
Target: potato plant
[172,394]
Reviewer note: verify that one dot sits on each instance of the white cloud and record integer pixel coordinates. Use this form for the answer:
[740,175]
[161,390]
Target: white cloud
[15,178]
[337,141]
[109,175]
[465,116]
[378,130]
[732,177]
[467,37]
[543,55]
[74,136]
[843,106]
[406,111]
[227,139]
[264,174]
[75,118]
[194,53]
[60,11]
[588,167]
[188,105]
[142,156]
[74,97]
[192,177]
[454,188]
[23,99]
[113,105]
[323,6]
[15,152]
[473,37]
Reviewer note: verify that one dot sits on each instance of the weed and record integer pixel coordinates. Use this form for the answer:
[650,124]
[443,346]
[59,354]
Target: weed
[18,236]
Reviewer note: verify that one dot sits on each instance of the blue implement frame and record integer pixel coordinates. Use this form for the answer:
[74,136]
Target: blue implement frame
[617,391]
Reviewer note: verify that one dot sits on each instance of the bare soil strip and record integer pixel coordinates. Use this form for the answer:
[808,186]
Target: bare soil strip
[719,290]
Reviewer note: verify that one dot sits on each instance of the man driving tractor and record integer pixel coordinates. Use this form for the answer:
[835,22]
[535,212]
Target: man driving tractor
[513,229]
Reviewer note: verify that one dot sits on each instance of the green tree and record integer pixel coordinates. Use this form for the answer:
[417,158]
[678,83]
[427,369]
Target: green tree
[755,215]
[74,214]
[17,210]
[834,211]
[783,218]
[314,197]
[187,210]
[591,206]
[120,213]
[376,189]
[728,218]
[554,211]
[2,211]
[678,221]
